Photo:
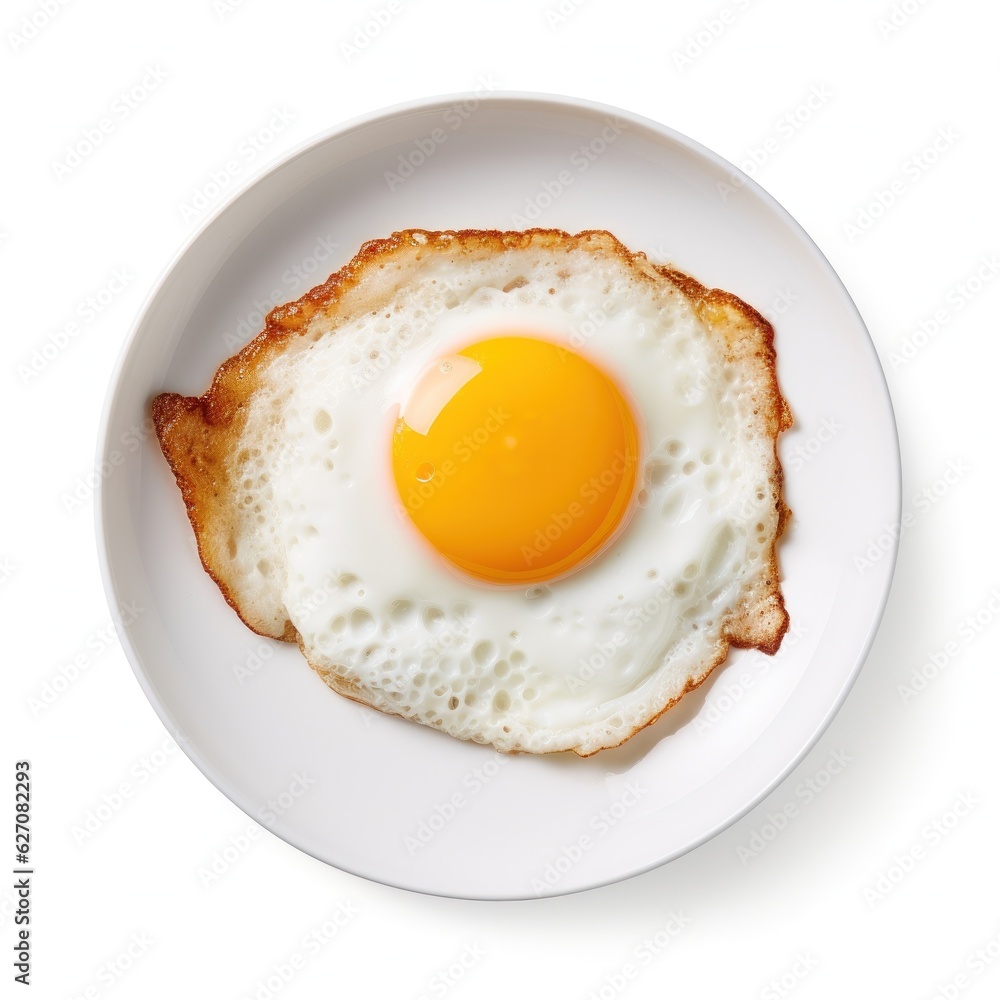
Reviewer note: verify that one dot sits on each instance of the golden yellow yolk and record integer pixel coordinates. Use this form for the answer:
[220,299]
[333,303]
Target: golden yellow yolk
[516,458]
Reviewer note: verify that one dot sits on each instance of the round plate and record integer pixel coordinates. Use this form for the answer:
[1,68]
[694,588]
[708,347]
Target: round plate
[395,801]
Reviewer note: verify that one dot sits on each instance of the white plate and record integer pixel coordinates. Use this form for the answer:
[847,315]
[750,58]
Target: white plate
[397,802]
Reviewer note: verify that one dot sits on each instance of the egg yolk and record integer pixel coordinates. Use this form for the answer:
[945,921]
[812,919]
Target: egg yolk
[516,458]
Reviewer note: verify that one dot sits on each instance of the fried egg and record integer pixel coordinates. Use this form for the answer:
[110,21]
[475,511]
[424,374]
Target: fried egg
[518,487]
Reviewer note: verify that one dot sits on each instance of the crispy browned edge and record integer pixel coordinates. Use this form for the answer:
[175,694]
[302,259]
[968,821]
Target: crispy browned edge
[196,434]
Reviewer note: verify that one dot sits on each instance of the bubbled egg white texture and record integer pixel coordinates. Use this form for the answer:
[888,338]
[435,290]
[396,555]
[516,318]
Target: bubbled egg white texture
[580,661]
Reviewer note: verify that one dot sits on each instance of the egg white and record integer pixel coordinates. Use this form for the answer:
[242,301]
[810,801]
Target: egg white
[578,663]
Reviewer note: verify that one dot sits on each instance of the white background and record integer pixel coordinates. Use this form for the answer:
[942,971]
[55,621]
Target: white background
[825,907]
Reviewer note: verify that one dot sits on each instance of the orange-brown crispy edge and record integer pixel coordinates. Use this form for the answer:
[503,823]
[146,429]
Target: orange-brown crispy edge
[196,453]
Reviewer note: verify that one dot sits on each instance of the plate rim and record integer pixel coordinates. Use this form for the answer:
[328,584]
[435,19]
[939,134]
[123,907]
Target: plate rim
[533,101]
